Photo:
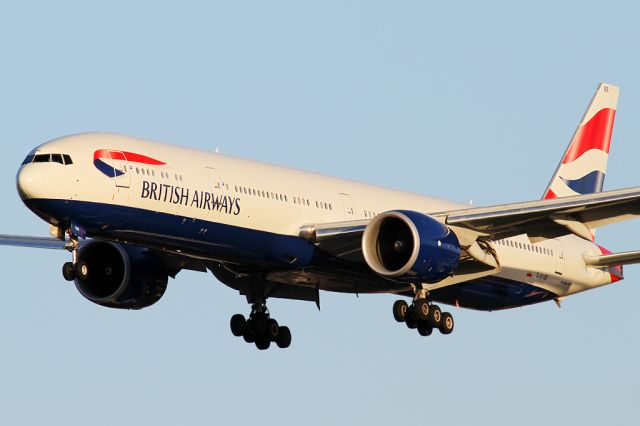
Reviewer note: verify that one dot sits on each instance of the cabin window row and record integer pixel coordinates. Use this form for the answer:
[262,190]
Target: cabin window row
[270,195]
[150,172]
[261,193]
[525,246]
[324,206]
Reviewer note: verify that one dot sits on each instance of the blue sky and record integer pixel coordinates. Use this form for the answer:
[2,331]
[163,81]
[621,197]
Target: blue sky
[462,100]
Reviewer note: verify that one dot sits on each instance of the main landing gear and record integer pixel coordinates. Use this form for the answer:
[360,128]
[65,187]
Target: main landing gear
[260,328]
[423,316]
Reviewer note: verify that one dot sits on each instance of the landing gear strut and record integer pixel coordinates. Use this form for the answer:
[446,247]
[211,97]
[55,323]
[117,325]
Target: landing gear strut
[424,316]
[260,328]
[70,270]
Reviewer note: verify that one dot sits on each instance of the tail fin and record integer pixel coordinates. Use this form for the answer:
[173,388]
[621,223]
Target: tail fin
[584,163]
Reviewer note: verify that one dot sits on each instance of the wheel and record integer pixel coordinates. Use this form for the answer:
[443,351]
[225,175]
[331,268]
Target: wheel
[68,272]
[410,320]
[249,336]
[81,270]
[421,309]
[446,324]
[263,344]
[400,309]
[258,324]
[284,337]
[272,330]
[425,328]
[435,316]
[238,325]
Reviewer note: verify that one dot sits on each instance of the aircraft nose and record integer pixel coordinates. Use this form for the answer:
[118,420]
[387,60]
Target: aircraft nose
[30,181]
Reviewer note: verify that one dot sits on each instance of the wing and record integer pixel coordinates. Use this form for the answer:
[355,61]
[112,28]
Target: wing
[548,218]
[540,219]
[34,242]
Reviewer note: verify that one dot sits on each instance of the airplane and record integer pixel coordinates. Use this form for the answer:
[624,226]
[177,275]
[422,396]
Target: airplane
[133,213]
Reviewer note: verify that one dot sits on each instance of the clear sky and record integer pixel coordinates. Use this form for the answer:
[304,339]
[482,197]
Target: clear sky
[463,100]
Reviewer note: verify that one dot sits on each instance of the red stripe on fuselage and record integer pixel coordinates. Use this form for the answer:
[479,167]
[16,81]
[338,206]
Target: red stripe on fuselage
[595,134]
[126,156]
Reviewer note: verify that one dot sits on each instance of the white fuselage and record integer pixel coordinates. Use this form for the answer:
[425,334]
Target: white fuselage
[211,188]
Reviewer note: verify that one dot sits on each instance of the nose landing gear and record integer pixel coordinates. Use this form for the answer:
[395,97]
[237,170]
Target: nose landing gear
[74,269]
[423,316]
[260,328]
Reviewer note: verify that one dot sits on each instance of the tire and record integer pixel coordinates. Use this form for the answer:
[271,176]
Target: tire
[446,324]
[435,316]
[248,336]
[284,337]
[421,309]
[81,270]
[263,344]
[425,328]
[68,272]
[258,324]
[400,309]
[272,330]
[238,325]
[410,320]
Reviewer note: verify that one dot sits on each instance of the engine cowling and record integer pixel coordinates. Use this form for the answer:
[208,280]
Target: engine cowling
[410,246]
[119,276]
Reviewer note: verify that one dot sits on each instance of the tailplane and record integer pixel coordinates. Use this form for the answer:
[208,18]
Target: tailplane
[584,164]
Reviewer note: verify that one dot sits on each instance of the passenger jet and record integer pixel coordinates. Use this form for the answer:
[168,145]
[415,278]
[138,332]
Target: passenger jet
[133,213]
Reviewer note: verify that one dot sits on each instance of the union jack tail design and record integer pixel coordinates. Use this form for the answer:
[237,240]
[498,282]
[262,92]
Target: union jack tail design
[584,164]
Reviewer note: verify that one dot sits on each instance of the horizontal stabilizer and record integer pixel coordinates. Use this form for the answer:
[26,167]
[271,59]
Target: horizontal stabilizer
[613,259]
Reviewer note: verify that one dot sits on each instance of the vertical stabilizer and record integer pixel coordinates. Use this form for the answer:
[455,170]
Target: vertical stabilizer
[584,164]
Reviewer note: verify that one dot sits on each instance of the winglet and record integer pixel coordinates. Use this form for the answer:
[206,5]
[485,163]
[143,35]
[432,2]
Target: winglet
[584,163]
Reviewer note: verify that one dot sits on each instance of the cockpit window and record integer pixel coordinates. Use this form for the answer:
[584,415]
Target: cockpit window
[48,158]
[42,158]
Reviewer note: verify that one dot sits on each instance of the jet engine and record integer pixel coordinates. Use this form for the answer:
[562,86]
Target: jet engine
[410,246]
[119,276]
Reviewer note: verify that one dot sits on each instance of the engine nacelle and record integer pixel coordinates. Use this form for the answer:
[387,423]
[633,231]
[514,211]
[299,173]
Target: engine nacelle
[410,246]
[123,277]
